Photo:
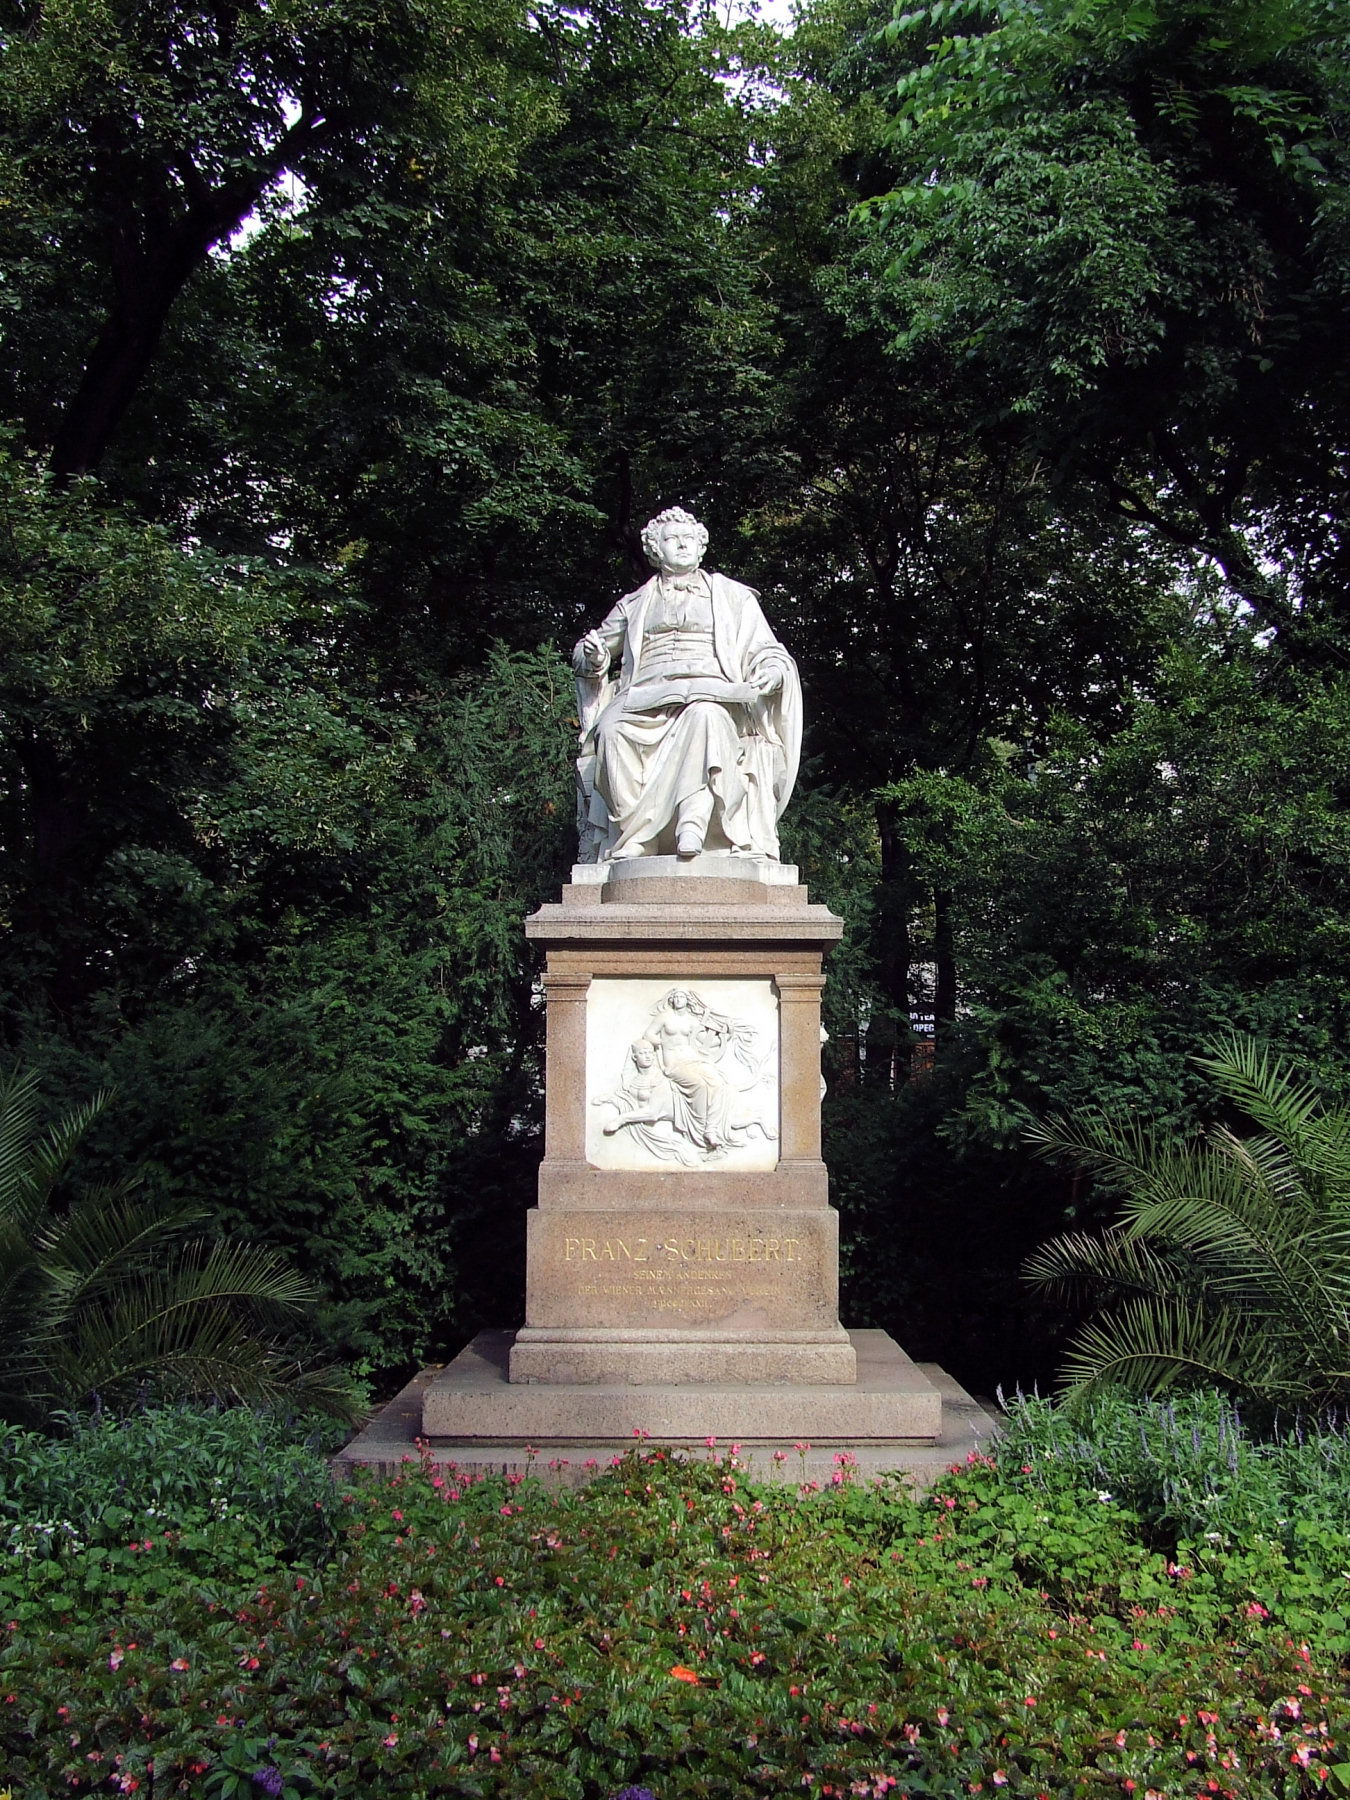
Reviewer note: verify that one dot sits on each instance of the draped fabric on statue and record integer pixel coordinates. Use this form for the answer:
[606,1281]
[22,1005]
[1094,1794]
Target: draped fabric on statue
[638,766]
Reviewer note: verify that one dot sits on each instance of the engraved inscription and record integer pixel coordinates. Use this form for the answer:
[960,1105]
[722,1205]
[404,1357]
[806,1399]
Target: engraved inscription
[689,1249]
[691,1276]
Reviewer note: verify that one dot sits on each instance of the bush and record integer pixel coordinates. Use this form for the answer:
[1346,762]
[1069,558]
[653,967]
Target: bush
[677,1627]
[1228,1264]
[126,1509]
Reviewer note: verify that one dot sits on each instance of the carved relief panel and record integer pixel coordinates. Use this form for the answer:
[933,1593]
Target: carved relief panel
[682,1076]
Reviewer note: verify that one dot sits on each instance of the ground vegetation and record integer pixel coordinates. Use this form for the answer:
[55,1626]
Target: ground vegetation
[677,1628]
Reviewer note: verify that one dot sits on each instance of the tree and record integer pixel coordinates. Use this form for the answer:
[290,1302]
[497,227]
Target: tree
[139,139]
[1131,219]
[1229,1264]
[106,1294]
[939,591]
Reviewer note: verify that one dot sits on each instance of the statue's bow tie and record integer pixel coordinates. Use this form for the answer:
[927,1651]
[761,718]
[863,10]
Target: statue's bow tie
[685,584]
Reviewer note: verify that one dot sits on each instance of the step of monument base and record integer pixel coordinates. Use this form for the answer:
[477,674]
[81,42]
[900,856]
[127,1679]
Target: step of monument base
[393,1438]
[574,1358]
[892,1401]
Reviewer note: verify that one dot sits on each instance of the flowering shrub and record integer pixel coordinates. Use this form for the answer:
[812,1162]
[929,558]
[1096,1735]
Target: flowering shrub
[138,1505]
[677,1629]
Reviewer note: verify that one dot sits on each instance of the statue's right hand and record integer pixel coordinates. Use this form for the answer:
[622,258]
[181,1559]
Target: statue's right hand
[590,655]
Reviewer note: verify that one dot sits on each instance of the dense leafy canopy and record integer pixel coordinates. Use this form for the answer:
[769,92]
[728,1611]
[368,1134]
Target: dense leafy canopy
[346,348]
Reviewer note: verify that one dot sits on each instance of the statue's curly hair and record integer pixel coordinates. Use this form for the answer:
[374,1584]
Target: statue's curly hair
[673,515]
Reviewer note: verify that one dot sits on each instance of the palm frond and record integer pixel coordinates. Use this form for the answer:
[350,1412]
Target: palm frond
[108,1293]
[1230,1258]
[1079,1261]
[217,1354]
[1153,1342]
[18,1129]
[1262,1084]
[109,1235]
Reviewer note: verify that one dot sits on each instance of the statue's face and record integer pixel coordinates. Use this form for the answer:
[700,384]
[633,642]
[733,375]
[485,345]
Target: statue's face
[679,548]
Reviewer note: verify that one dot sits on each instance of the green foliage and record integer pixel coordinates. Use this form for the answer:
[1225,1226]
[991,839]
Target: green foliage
[137,141]
[679,1627]
[1127,221]
[136,1506]
[1228,1262]
[1259,1521]
[1187,1466]
[1116,902]
[106,1294]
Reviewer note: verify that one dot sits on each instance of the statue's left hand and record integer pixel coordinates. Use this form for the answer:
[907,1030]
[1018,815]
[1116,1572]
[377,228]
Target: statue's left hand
[767,679]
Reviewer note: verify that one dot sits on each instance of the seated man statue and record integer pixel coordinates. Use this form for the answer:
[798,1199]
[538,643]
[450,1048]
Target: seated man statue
[695,745]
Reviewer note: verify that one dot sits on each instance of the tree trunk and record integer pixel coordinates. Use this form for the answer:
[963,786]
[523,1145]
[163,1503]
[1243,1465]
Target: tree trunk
[889,1043]
[944,957]
[156,245]
[117,365]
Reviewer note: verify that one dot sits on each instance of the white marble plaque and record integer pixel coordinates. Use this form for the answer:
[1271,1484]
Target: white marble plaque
[682,1076]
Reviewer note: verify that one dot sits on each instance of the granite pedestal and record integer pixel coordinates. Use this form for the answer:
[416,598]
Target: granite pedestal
[682,1262]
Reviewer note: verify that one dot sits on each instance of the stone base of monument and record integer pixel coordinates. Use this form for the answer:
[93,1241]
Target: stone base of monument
[682,1262]
[891,1401]
[901,1416]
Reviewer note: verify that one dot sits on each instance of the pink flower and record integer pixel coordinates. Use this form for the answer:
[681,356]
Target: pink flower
[180,1663]
[391,1740]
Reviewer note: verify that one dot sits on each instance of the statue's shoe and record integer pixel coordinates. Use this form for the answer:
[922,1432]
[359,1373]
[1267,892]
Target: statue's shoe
[689,841]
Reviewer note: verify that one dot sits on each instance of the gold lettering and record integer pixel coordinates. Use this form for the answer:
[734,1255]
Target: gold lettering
[757,1250]
[571,1246]
[791,1245]
[771,1249]
[607,1254]
[738,1249]
[689,1251]
[588,1250]
[642,1246]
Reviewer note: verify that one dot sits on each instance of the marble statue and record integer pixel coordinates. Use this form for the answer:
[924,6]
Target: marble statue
[694,1085]
[692,744]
